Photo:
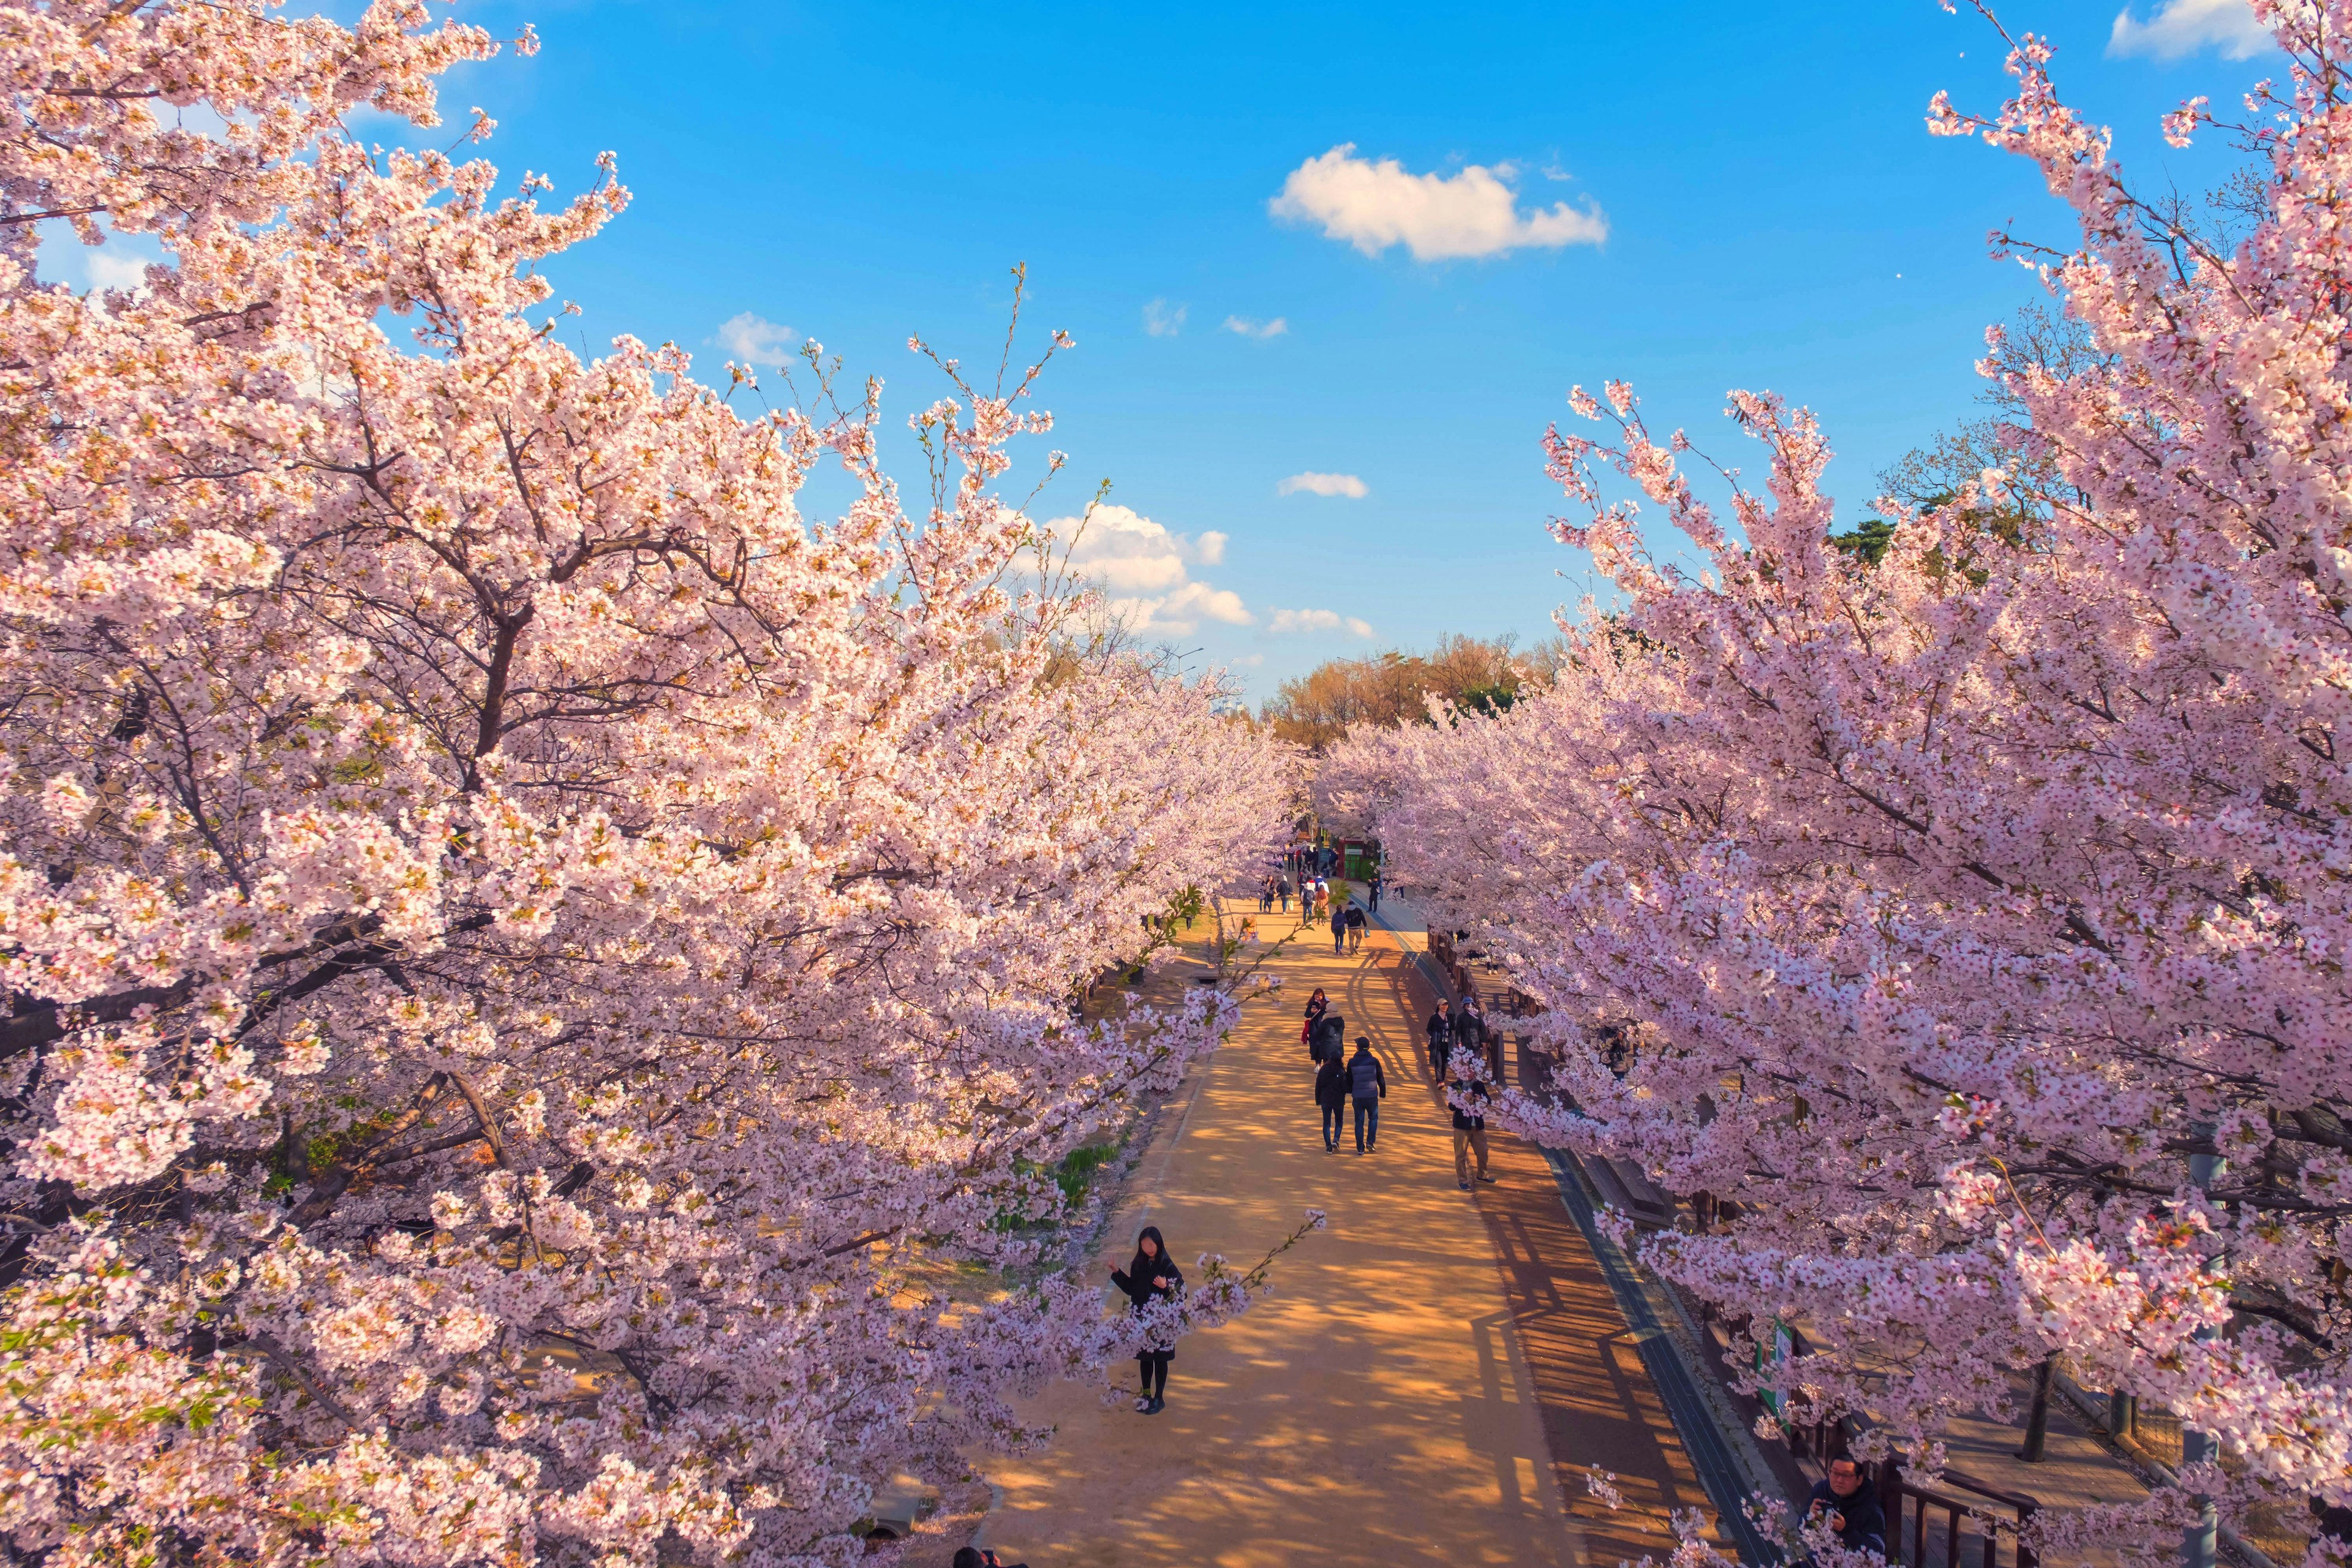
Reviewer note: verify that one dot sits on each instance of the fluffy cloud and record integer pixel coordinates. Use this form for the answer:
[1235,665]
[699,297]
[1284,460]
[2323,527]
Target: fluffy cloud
[2181,27]
[1317,484]
[1373,206]
[112,269]
[1250,329]
[1317,621]
[755,342]
[1144,571]
[1162,321]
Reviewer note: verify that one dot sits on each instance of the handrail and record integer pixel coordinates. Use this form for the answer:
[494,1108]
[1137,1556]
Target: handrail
[1894,1487]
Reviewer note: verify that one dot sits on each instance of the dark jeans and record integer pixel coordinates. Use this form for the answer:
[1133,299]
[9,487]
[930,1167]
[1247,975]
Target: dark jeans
[1334,1122]
[1368,1123]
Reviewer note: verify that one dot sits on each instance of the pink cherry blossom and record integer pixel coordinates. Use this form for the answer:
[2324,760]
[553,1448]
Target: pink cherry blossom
[1970,927]
[536,965]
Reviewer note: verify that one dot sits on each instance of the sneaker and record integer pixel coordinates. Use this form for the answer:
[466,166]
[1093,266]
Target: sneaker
[1484,1177]
[1158,1404]
[1143,1408]
[1360,1148]
[1464,1186]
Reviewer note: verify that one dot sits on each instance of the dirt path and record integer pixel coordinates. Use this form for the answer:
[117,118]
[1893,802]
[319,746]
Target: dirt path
[1381,1405]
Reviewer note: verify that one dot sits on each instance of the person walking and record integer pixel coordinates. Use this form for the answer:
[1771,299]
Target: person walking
[1266,894]
[1151,1276]
[1329,1041]
[1339,931]
[1440,1030]
[1331,1097]
[1469,1126]
[1355,927]
[1317,1005]
[1282,890]
[1367,1087]
[1374,884]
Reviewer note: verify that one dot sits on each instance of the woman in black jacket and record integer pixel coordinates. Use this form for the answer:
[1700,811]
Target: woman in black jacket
[1151,1276]
[1317,1005]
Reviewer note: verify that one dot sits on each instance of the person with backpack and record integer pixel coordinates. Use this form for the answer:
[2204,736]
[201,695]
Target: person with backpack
[1327,1038]
[1367,1087]
[1469,1126]
[1151,1276]
[1331,1096]
[1339,931]
[1355,927]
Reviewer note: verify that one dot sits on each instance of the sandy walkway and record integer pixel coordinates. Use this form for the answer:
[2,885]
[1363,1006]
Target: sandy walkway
[1379,1407]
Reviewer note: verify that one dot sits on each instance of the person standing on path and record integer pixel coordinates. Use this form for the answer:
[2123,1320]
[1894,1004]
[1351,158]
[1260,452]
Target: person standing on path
[1366,1085]
[1469,1126]
[1266,894]
[1374,886]
[1151,1276]
[1440,1030]
[1849,1509]
[1331,1097]
[1338,933]
[1469,1029]
[1317,1005]
[1282,890]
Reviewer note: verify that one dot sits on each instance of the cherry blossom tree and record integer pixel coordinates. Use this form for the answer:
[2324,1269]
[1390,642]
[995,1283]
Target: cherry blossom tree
[1977,917]
[535,969]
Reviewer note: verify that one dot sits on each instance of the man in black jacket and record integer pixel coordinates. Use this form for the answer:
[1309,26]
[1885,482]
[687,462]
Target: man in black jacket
[1366,1085]
[1440,1030]
[1850,1507]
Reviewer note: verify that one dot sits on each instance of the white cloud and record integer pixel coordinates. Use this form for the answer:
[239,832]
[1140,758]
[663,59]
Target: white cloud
[1473,212]
[2181,27]
[1250,329]
[1317,621]
[1144,571]
[1160,321]
[108,269]
[756,341]
[1317,484]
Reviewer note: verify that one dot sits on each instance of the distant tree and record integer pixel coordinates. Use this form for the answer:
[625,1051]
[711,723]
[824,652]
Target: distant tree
[1393,688]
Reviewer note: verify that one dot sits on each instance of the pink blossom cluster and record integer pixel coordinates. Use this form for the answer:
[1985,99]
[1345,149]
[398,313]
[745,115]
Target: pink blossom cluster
[535,969]
[1969,926]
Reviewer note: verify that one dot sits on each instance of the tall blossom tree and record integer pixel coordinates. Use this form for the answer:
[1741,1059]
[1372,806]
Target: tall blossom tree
[529,960]
[1978,916]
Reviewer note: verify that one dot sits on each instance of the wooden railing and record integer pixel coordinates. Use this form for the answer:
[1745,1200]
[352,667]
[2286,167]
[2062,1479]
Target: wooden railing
[1913,1511]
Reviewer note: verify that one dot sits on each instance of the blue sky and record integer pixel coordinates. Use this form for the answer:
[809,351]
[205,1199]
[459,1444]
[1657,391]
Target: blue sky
[1775,217]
